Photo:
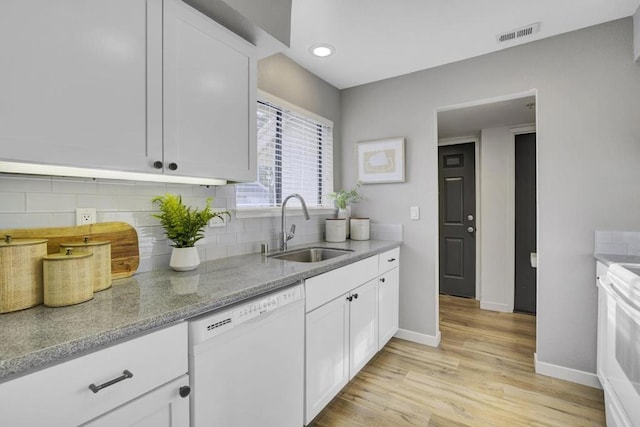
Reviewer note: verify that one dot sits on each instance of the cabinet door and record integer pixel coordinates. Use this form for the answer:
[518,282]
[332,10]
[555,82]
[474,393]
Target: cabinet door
[363,333]
[327,354]
[209,97]
[74,83]
[388,305]
[162,407]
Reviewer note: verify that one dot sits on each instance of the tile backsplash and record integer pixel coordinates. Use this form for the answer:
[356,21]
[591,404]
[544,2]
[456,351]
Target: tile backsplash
[29,202]
[617,242]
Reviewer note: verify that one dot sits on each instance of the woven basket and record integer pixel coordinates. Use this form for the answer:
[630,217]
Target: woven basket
[101,263]
[21,273]
[67,278]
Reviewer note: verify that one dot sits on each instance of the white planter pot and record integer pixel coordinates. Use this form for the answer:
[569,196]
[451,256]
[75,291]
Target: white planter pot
[184,259]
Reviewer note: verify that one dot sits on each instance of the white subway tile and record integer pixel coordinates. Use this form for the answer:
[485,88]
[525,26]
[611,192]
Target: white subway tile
[227,239]
[50,202]
[100,202]
[150,189]
[24,184]
[618,248]
[74,186]
[13,202]
[134,203]
[116,187]
[110,216]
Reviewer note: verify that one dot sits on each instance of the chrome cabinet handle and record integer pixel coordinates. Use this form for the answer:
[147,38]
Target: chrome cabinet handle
[125,375]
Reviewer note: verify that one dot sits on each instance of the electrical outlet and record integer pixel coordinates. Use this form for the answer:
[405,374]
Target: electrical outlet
[85,216]
[217,222]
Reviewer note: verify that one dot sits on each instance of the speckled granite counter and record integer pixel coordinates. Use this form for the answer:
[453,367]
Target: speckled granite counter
[39,336]
[609,259]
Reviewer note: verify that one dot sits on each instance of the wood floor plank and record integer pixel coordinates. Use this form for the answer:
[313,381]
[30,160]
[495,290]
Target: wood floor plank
[481,375]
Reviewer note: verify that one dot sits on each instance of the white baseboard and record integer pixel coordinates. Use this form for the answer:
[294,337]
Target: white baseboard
[567,374]
[495,306]
[417,337]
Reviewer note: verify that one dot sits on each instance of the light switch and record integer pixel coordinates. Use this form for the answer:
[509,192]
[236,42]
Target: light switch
[415,212]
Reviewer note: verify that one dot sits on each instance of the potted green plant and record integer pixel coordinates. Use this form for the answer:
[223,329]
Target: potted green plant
[342,199]
[184,226]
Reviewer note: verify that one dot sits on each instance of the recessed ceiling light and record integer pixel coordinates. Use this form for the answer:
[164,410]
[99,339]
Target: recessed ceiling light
[322,50]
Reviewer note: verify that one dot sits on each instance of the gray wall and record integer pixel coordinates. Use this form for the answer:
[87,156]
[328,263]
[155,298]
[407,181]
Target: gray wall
[280,76]
[589,168]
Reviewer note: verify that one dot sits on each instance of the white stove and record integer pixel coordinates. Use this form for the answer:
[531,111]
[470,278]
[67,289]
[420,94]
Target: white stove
[619,343]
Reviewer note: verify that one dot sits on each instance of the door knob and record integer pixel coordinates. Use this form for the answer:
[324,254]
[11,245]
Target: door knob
[470,229]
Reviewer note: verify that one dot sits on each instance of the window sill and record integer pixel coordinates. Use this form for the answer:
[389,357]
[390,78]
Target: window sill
[275,212]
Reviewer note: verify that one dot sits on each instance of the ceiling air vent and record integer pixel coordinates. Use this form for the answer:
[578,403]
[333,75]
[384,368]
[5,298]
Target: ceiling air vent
[518,33]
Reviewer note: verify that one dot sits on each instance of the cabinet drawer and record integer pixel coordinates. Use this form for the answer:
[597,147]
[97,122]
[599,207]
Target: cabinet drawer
[388,260]
[61,395]
[325,287]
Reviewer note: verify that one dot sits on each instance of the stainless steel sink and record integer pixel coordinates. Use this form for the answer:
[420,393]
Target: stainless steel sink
[311,254]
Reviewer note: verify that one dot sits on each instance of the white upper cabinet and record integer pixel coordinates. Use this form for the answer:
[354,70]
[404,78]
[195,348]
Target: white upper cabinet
[209,97]
[73,83]
[127,85]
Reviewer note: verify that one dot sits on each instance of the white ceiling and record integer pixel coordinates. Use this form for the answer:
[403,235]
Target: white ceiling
[378,39]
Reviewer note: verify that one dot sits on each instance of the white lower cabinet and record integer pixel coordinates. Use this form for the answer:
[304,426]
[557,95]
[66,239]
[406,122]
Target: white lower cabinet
[352,312]
[363,326]
[145,372]
[388,296]
[327,354]
[162,407]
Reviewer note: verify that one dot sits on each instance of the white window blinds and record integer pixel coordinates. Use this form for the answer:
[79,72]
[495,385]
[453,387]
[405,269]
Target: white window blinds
[295,155]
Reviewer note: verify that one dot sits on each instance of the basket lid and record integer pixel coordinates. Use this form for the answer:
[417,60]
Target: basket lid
[8,241]
[68,254]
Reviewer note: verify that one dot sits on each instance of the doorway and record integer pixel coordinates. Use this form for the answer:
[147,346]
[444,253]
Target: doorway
[525,223]
[492,124]
[457,219]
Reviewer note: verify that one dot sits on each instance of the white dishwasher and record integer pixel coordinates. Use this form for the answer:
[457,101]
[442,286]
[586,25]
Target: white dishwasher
[246,363]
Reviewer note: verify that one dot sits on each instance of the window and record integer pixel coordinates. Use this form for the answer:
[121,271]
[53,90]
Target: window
[295,155]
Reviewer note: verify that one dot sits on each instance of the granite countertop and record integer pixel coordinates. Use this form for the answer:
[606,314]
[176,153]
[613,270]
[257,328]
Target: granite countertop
[609,259]
[37,337]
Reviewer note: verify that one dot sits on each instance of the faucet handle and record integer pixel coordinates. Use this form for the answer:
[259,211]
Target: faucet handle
[293,230]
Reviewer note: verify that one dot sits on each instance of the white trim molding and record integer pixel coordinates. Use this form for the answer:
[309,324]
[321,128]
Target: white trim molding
[417,337]
[567,374]
[496,306]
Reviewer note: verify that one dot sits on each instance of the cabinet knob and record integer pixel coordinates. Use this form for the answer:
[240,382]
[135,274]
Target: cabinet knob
[173,166]
[382,279]
[157,164]
[355,296]
[349,298]
[185,390]
[391,259]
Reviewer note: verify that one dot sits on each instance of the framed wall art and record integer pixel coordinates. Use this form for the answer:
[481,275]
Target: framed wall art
[381,161]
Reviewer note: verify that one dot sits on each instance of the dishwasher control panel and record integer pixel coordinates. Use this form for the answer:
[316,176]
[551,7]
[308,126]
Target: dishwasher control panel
[218,322]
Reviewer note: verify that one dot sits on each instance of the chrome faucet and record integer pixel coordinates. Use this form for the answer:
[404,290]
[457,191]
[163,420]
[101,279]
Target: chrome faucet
[286,236]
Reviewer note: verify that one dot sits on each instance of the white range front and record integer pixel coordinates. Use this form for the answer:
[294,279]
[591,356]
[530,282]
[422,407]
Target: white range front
[619,343]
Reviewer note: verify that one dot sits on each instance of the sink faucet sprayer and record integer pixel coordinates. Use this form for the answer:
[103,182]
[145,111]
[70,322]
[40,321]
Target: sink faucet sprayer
[284,236]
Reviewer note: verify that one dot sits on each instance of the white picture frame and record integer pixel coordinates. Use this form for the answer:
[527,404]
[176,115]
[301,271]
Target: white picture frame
[381,161]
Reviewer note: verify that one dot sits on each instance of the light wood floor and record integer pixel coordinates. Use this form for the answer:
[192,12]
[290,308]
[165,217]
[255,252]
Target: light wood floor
[482,375]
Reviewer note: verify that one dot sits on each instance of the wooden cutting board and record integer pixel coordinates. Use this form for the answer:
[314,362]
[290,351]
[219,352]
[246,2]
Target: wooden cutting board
[125,256]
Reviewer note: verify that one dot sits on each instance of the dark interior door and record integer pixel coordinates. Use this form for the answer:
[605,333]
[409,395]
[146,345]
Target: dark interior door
[525,222]
[457,211]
